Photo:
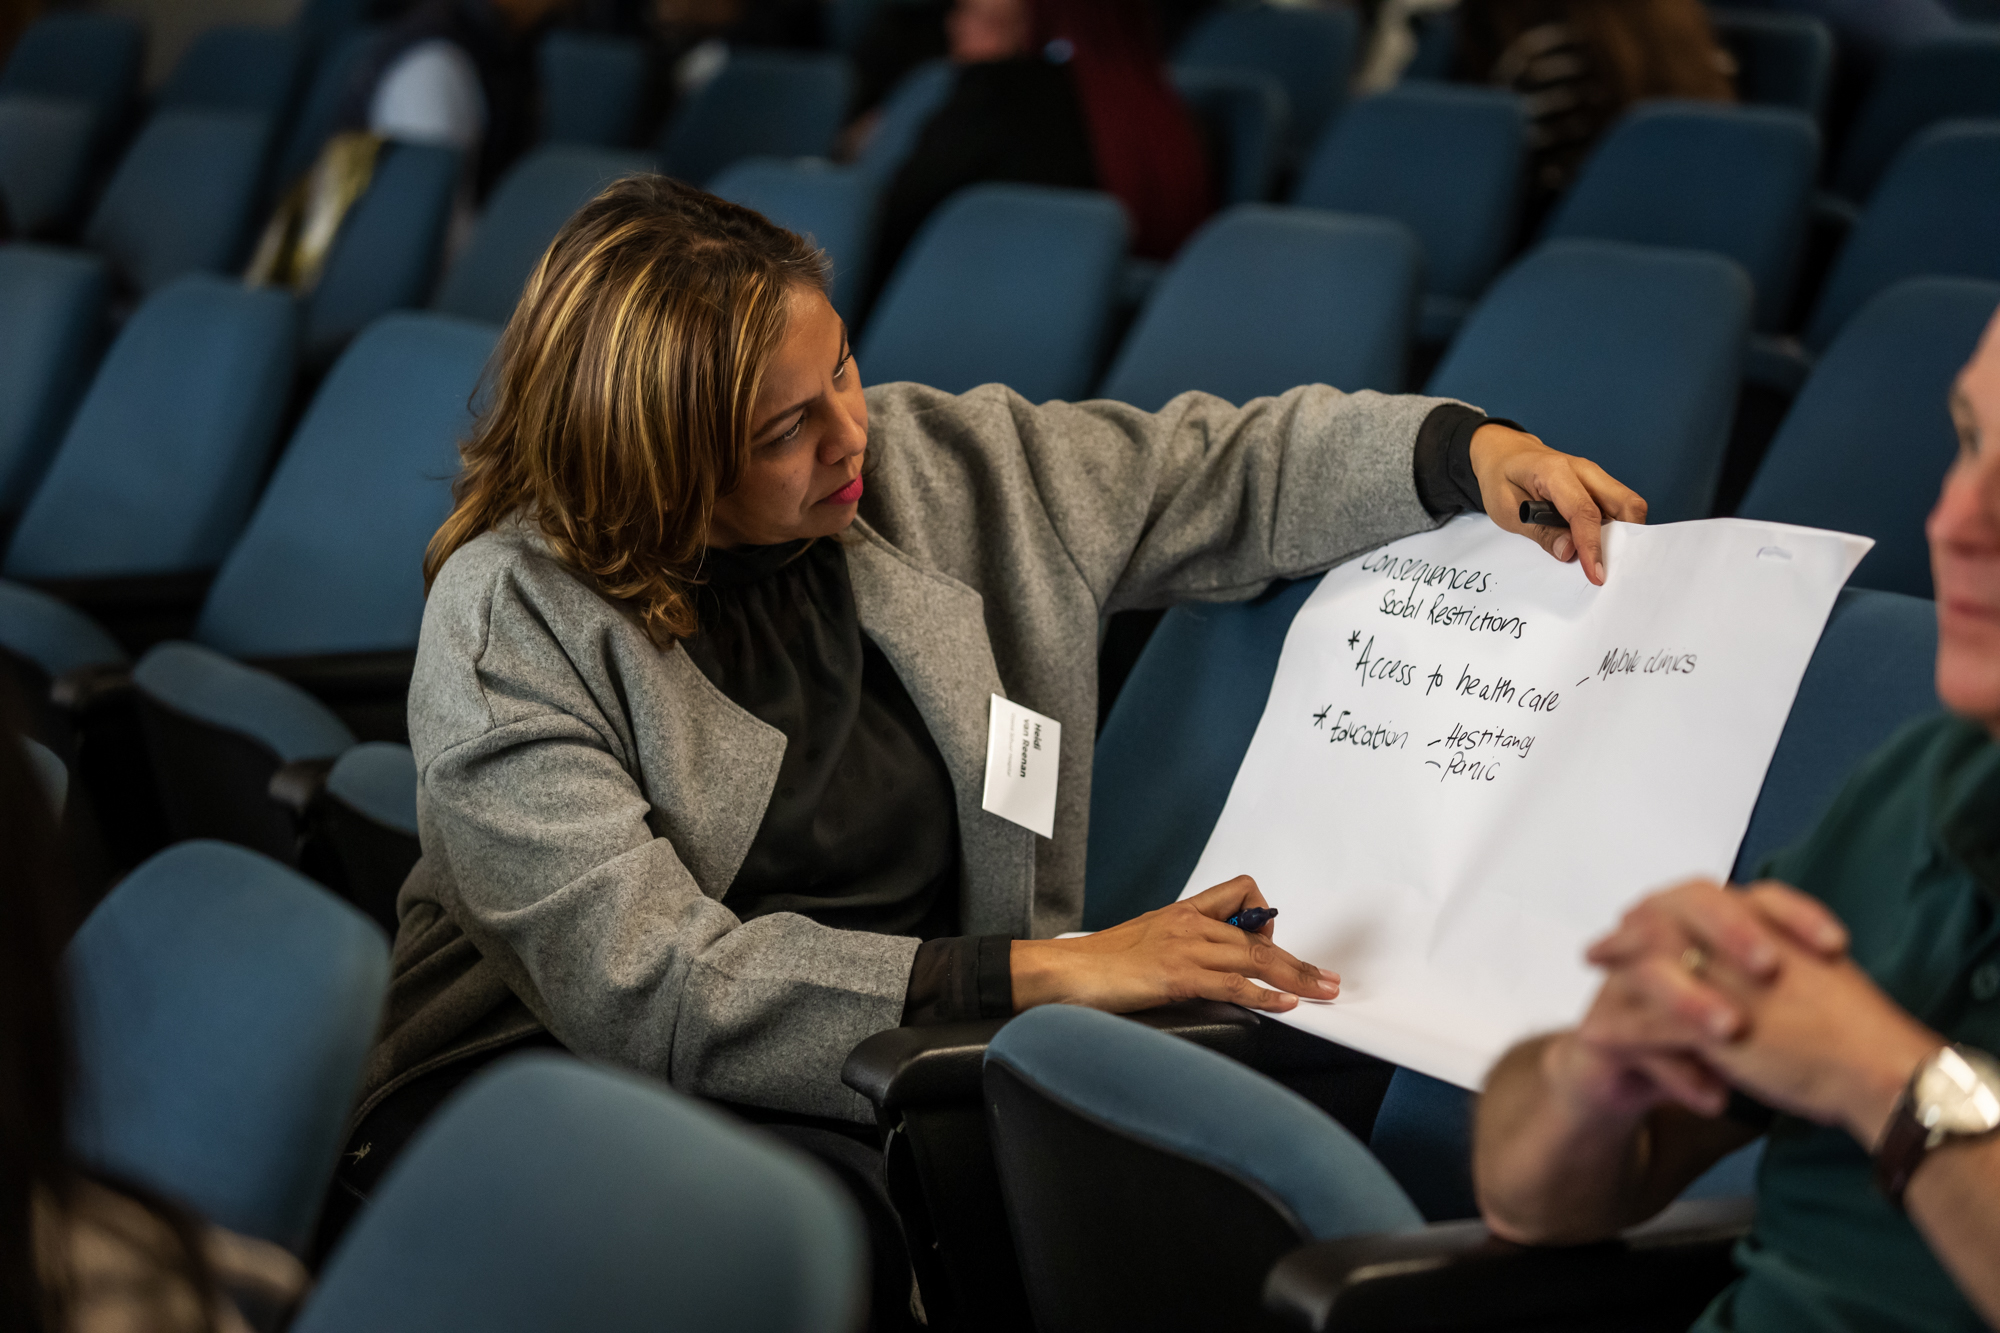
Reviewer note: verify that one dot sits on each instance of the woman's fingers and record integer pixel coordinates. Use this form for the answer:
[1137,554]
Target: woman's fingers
[1228,898]
[1253,956]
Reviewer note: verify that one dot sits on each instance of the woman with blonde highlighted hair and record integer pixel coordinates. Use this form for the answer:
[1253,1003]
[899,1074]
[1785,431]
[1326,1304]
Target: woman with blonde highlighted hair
[701,706]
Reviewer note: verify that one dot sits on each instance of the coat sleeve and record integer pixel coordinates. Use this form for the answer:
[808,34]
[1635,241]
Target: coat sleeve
[1201,500]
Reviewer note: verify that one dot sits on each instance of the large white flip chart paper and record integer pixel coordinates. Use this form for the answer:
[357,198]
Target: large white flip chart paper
[1472,761]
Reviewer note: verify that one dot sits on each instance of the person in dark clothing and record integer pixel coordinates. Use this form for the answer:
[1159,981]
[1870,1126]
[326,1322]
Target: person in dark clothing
[1057,92]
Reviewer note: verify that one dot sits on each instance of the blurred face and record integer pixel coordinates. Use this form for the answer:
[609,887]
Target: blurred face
[809,431]
[1964,533]
[982,30]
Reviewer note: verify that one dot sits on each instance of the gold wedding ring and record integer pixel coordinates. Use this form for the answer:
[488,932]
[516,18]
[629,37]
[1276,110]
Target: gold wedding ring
[1695,959]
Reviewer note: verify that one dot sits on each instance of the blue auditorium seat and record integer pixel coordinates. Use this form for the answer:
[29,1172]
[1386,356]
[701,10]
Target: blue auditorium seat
[1624,354]
[51,774]
[1734,180]
[321,104]
[1445,161]
[904,113]
[182,199]
[552,1194]
[1007,283]
[1781,59]
[50,637]
[1243,112]
[1933,213]
[80,56]
[1311,51]
[760,104]
[236,67]
[1865,445]
[224,1007]
[1952,76]
[46,153]
[158,469]
[1263,298]
[361,828]
[51,328]
[523,214]
[385,256]
[833,206]
[592,87]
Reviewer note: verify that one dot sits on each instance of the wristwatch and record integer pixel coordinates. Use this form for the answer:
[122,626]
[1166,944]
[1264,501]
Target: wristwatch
[1955,1094]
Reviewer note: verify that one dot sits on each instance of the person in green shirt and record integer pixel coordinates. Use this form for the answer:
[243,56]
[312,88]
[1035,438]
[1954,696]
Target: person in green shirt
[1848,999]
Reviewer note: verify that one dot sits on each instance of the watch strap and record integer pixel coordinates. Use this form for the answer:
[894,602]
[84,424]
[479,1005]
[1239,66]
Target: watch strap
[1904,1145]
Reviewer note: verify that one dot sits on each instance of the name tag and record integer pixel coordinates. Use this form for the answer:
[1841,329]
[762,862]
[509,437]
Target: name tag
[1022,751]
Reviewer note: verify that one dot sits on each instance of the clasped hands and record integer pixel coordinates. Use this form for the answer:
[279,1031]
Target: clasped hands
[1708,989]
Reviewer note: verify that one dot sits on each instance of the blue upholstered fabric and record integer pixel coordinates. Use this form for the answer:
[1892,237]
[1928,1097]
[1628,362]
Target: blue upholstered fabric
[1866,443]
[523,214]
[385,255]
[45,159]
[1244,113]
[319,109]
[1207,1108]
[1874,670]
[51,773]
[1781,59]
[1624,354]
[761,104]
[1945,77]
[379,779]
[1734,180]
[1423,1137]
[1172,744]
[332,560]
[92,57]
[592,86]
[1445,161]
[1311,51]
[224,1005]
[51,324]
[182,198]
[905,111]
[833,207]
[52,634]
[1263,298]
[551,1194]
[236,67]
[160,464]
[1936,211]
[201,683]
[1007,283]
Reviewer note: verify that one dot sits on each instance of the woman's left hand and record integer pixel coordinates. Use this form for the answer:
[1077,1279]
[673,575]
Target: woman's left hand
[1513,466]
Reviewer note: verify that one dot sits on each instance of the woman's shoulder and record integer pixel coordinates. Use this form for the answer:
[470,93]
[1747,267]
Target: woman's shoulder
[506,582]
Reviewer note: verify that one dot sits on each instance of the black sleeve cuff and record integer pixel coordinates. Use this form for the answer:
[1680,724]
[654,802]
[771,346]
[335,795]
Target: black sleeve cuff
[1443,464]
[959,978]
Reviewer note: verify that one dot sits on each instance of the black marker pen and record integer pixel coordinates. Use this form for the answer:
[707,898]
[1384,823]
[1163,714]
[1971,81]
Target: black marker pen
[1542,514]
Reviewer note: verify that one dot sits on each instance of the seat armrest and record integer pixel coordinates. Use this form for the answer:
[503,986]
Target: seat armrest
[77,692]
[930,1066]
[1459,1276]
[296,785]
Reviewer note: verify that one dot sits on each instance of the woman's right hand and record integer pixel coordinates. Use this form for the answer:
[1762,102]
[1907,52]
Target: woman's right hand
[1184,951]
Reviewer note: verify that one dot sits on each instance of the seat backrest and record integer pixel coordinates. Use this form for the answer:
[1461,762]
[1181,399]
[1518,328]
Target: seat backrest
[224,1006]
[236,67]
[1113,1138]
[1242,112]
[85,56]
[1013,283]
[320,107]
[332,560]
[1866,443]
[1444,160]
[523,214]
[1873,671]
[45,161]
[385,256]
[1423,1137]
[158,468]
[1937,211]
[51,327]
[760,104]
[1263,298]
[833,207]
[1625,354]
[1781,59]
[554,1194]
[1946,77]
[592,85]
[904,113]
[182,198]
[1734,180]
[1311,51]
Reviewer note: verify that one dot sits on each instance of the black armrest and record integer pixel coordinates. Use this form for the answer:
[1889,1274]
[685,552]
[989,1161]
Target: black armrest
[1458,1275]
[79,691]
[297,785]
[339,677]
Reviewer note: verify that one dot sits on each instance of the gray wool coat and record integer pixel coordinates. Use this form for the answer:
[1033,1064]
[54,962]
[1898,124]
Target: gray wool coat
[585,797]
